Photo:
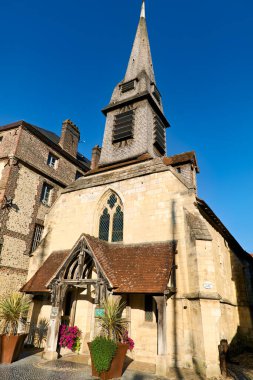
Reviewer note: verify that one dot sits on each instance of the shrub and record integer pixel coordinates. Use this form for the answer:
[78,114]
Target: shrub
[102,350]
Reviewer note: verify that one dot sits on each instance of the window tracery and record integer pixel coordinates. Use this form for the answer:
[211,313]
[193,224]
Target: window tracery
[111,220]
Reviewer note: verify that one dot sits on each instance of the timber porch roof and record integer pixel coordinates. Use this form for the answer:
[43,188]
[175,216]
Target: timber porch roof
[138,268]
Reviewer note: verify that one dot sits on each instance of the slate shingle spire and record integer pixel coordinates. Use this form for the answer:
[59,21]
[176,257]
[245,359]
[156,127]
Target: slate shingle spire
[140,58]
[135,122]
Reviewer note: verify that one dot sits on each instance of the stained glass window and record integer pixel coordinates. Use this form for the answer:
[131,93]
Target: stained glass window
[112,200]
[117,227]
[111,219]
[104,225]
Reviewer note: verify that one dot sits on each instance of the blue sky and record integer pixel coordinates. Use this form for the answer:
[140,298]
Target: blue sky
[62,59]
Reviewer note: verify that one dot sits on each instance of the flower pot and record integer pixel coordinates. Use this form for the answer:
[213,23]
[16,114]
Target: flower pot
[117,363]
[11,347]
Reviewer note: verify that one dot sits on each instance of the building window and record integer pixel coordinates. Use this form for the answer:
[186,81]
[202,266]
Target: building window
[123,126]
[156,93]
[117,226]
[111,220]
[148,308]
[128,86]
[52,161]
[1,139]
[78,175]
[179,170]
[46,194]
[104,225]
[159,135]
[37,236]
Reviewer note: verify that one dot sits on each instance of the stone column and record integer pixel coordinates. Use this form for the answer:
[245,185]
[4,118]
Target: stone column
[50,352]
[161,362]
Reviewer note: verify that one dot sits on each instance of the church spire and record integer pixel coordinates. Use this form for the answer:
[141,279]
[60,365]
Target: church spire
[135,122]
[140,58]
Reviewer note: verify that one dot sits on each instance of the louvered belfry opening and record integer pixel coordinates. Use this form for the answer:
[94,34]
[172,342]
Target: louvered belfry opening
[128,86]
[123,126]
[159,135]
[156,94]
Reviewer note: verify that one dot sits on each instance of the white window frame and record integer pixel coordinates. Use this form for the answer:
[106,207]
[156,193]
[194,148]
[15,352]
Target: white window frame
[46,194]
[52,160]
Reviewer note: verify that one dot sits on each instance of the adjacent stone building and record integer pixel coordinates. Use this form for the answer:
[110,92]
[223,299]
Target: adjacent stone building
[35,165]
[134,227]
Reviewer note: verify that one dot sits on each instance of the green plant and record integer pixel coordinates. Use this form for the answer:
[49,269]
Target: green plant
[13,309]
[112,325]
[102,350]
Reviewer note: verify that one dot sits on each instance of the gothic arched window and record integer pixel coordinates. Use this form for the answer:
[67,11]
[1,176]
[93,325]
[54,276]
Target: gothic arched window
[111,220]
[104,225]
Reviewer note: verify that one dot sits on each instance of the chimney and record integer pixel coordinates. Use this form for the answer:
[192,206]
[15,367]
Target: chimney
[96,151]
[70,137]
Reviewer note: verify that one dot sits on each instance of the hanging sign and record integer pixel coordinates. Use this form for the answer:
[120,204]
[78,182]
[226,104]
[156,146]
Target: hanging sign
[54,312]
[99,312]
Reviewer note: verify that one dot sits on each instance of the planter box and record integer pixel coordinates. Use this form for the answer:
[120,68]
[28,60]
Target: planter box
[11,347]
[117,363]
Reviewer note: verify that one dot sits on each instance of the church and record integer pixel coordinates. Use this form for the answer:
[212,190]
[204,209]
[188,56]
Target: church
[134,227]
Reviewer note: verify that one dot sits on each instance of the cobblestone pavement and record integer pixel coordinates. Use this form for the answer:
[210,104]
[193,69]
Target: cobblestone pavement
[34,368]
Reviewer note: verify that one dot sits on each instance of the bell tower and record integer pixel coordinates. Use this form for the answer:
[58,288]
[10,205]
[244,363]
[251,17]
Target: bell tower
[135,122]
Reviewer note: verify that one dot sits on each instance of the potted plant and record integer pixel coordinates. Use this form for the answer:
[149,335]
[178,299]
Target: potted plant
[13,310]
[70,338]
[108,350]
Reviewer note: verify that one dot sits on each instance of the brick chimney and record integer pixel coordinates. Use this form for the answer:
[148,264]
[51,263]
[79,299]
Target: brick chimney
[96,152]
[70,137]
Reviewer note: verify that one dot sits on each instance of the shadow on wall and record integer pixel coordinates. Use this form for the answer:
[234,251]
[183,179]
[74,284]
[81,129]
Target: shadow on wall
[240,343]
[242,275]
[41,248]
[38,333]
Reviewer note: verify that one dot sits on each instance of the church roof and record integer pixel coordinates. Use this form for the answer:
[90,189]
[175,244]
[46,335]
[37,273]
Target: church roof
[182,158]
[138,268]
[37,284]
[216,223]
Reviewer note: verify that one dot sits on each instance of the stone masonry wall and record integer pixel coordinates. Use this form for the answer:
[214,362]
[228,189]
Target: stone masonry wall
[22,179]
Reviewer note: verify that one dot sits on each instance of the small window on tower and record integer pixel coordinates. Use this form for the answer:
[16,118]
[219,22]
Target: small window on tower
[123,126]
[1,139]
[156,93]
[159,137]
[128,86]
